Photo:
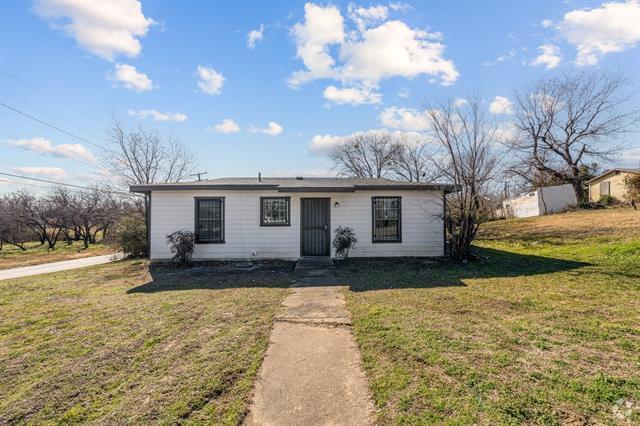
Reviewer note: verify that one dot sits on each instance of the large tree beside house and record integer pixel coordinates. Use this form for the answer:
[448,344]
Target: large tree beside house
[143,157]
[565,124]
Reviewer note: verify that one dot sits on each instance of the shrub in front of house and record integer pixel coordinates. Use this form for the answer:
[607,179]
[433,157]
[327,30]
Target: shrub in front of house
[181,244]
[344,240]
[608,200]
[132,236]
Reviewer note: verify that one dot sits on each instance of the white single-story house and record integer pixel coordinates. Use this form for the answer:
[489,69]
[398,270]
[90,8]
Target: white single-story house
[289,218]
[550,199]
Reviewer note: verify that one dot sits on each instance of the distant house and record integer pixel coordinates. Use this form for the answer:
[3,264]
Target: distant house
[551,199]
[611,183]
[289,218]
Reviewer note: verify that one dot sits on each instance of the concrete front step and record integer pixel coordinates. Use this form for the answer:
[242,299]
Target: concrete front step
[314,267]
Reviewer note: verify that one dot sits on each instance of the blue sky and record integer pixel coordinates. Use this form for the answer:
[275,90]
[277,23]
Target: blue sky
[312,74]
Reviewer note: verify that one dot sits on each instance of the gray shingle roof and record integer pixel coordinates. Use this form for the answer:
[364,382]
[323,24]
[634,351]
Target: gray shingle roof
[293,184]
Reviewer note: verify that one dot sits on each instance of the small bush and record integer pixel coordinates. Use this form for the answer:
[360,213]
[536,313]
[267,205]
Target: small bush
[132,236]
[608,200]
[345,239]
[181,243]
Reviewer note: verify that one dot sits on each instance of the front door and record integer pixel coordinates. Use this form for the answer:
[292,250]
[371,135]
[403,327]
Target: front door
[315,223]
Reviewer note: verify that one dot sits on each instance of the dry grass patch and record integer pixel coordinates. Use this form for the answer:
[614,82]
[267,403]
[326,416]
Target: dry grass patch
[605,224]
[536,332]
[119,344]
[36,253]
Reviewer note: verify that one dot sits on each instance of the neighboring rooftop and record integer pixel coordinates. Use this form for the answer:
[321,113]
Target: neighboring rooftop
[293,184]
[619,170]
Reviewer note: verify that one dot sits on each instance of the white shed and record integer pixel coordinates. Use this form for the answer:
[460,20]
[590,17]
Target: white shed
[550,199]
[289,218]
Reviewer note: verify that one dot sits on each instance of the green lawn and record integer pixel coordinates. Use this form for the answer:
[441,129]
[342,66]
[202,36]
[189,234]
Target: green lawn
[36,253]
[544,329]
[117,344]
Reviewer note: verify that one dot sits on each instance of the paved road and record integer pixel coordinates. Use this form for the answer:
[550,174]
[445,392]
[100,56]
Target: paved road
[45,268]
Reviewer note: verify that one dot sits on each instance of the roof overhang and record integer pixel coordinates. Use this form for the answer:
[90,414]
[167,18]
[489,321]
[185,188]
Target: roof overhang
[608,172]
[447,188]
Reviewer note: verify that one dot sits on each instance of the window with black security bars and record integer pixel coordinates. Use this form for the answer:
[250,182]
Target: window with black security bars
[275,211]
[209,220]
[387,219]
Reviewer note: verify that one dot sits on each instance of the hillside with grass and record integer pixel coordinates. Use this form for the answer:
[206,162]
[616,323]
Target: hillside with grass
[543,328]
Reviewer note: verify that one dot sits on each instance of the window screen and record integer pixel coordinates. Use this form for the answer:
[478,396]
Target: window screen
[209,220]
[274,211]
[604,188]
[387,226]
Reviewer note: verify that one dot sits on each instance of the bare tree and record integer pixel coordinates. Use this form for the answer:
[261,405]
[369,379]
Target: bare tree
[85,211]
[143,157]
[42,215]
[412,160]
[365,155]
[12,231]
[380,154]
[566,122]
[468,159]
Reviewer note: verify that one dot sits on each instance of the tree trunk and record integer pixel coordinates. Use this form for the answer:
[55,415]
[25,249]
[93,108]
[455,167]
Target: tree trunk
[578,188]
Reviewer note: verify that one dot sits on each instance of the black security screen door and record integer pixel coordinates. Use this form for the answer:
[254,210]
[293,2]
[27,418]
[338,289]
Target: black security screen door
[315,226]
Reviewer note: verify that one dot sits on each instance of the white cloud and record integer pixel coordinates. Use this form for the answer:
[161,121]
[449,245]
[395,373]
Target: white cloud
[255,36]
[511,54]
[630,158]
[104,28]
[404,92]
[612,27]
[227,126]
[52,173]
[129,77]
[546,23]
[45,146]
[351,95]
[400,7]
[368,54]
[364,17]
[323,26]
[408,119]
[272,129]
[209,80]
[323,144]
[157,115]
[550,56]
[505,132]
[501,105]
[460,102]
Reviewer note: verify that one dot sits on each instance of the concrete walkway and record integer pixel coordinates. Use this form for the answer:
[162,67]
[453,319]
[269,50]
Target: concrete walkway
[45,268]
[312,373]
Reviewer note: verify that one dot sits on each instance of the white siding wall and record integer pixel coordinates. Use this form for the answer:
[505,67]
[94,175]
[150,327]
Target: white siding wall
[422,229]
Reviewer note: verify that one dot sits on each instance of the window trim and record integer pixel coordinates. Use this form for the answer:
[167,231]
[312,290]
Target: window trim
[196,200]
[288,200]
[373,220]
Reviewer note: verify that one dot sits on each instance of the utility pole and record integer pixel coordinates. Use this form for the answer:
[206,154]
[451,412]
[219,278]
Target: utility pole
[199,174]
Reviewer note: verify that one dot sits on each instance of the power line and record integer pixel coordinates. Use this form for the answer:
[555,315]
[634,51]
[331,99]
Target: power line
[24,183]
[67,184]
[80,138]
[7,73]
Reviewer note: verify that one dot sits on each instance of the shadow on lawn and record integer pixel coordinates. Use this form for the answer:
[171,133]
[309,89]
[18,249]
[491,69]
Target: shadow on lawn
[377,274]
[216,276]
[359,274]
